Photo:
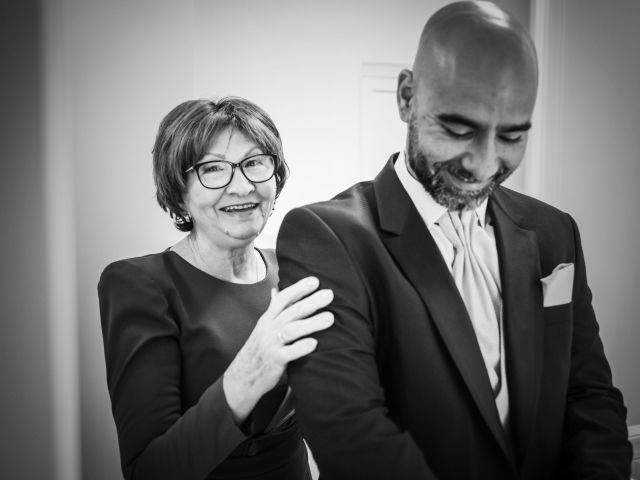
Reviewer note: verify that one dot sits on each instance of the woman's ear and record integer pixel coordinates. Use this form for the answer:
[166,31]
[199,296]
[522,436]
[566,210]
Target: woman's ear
[184,212]
[404,94]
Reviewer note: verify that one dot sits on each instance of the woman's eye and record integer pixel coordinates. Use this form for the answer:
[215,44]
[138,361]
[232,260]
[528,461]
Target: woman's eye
[209,169]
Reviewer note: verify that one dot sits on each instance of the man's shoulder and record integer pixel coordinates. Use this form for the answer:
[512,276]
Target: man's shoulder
[525,204]
[353,206]
[532,213]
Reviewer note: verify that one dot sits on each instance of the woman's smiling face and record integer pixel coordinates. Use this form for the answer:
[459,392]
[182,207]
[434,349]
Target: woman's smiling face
[234,215]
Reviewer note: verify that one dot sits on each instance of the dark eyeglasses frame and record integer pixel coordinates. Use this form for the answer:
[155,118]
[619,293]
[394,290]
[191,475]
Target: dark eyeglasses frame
[240,165]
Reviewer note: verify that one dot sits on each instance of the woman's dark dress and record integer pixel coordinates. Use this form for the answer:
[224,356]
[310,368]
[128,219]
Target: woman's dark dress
[170,330]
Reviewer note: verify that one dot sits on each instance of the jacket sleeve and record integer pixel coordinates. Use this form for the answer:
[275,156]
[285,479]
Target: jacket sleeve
[595,443]
[157,438]
[340,403]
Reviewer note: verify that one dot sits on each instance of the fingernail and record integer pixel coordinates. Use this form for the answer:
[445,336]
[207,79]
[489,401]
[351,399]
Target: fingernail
[328,320]
[313,282]
[326,293]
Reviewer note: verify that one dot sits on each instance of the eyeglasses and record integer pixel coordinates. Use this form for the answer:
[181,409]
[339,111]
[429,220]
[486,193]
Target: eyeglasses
[219,173]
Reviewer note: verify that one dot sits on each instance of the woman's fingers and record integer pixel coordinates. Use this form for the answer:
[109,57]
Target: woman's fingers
[282,299]
[301,328]
[280,336]
[293,345]
[298,349]
[307,306]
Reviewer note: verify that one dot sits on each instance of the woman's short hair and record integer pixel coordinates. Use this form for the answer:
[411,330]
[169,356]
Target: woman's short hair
[185,135]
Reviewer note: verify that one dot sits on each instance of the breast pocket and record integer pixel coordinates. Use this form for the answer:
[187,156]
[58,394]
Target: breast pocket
[558,314]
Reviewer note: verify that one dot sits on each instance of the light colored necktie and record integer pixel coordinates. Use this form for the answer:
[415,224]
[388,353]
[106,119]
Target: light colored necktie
[475,272]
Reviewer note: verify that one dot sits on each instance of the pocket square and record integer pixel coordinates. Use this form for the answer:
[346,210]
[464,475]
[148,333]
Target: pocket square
[557,287]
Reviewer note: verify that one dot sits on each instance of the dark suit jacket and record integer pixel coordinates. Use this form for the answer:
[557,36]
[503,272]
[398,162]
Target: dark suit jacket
[397,388]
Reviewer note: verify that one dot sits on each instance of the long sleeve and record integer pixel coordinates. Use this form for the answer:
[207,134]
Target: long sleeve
[340,403]
[595,441]
[158,437]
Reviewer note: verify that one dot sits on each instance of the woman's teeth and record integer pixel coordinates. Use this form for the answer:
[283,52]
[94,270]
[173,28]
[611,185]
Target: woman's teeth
[239,208]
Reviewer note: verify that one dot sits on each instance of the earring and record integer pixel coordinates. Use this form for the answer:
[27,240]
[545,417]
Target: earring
[182,218]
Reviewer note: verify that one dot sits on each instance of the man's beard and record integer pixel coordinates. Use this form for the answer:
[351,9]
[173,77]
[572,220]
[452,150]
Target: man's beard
[455,199]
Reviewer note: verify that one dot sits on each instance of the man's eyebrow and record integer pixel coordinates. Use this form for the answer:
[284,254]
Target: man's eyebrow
[457,119]
[462,120]
[520,127]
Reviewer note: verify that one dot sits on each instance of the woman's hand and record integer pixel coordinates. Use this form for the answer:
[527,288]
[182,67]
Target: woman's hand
[276,340]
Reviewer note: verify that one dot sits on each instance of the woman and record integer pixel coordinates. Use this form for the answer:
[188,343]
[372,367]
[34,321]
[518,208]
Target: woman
[197,337]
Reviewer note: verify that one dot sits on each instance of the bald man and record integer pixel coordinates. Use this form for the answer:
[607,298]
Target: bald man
[465,345]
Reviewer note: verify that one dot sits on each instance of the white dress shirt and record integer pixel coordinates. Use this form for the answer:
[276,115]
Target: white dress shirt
[431,211]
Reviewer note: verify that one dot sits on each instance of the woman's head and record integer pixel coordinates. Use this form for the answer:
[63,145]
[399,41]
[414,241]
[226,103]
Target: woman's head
[186,136]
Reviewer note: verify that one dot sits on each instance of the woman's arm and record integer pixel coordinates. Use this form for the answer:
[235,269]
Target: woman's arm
[156,438]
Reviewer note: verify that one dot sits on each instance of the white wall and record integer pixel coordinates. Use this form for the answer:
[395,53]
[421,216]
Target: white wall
[592,165]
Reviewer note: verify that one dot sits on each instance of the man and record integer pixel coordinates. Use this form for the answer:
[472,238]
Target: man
[465,345]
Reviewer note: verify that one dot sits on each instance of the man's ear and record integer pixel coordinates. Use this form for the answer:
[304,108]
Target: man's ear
[404,93]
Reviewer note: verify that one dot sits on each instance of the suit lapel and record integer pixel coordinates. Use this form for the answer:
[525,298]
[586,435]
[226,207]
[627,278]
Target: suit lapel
[522,315]
[417,255]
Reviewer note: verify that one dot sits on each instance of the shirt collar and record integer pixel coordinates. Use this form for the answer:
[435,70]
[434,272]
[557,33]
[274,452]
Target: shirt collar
[427,207]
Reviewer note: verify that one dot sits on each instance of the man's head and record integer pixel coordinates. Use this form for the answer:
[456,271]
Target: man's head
[468,102]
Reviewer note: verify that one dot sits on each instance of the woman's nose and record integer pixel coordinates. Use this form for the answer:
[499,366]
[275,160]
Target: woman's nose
[239,184]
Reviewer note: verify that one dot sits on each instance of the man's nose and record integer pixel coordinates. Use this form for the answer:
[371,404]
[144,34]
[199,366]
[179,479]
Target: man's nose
[482,160]
[240,185]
